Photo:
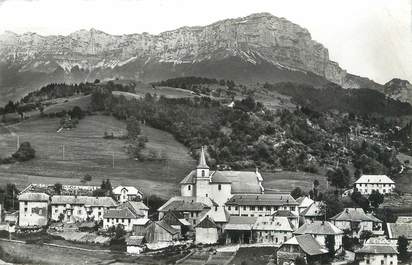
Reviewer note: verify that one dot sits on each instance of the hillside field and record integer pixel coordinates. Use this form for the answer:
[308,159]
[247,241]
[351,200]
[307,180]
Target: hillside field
[87,152]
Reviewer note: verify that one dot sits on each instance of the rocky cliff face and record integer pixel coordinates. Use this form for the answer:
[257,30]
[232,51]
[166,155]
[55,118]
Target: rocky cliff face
[399,89]
[254,39]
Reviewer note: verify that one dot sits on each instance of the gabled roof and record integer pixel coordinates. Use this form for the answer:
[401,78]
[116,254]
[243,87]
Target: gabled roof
[83,200]
[285,213]
[130,190]
[354,215]
[375,179]
[34,196]
[206,222]
[318,228]
[242,182]
[396,230]
[219,214]
[134,240]
[308,244]
[122,213]
[187,204]
[166,227]
[270,223]
[275,199]
[304,201]
[314,210]
[175,218]
[138,208]
[377,249]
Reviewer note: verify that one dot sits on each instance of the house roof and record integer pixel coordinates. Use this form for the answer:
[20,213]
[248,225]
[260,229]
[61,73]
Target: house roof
[275,199]
[130,190]
[83,200]
[315,209]
[166,227]
[122,213]
[396,230]
[318,228]
[271,223]
[242,182]
[354,214]
[304,201]
[138,208]
[377,249]
[33,196]
[134,240]
[285,213]
[206,222]
[308,244]
[187,204]
[240,223]
[375,179]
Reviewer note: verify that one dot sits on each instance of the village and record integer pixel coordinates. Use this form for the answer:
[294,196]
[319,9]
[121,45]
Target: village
[223,209]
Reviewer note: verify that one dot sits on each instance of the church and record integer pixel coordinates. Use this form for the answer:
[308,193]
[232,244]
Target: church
[220,186]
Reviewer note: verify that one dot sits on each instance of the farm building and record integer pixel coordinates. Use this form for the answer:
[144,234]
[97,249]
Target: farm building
[160,231]
[368,183]
[207,232]
[239,229]
[320,230]
[304,246]
[127,215]
[33,209]
[135,244]
[271,230]
[127,193]
[356,220]
[139,228]
[177,221]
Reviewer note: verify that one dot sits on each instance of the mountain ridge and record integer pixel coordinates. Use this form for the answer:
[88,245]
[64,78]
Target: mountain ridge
[251,44]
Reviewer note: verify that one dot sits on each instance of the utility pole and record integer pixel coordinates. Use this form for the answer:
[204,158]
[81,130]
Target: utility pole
[18,142]
[63,151]
[113,159]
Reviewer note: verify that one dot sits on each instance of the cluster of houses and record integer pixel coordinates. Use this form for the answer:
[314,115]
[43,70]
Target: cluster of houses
[226,207]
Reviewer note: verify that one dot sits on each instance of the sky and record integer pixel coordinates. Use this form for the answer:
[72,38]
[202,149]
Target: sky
[371,38]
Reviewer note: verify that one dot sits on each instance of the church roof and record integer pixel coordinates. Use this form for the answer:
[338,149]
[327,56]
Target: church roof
[202,160]
[242,182]
[187,203]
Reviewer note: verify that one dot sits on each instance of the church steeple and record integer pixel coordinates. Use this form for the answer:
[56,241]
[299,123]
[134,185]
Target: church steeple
[202,160]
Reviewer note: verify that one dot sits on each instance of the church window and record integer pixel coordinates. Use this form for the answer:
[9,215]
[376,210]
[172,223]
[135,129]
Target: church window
[189,187]
[203,173]
[219,187]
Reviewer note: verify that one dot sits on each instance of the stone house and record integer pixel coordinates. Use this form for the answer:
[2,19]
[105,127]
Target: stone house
[128,214]
[271,230]
[377,252]
[356,220]
[320,230]
[313,212]
[127,193]
[160,231]
[206,231]
[33,209]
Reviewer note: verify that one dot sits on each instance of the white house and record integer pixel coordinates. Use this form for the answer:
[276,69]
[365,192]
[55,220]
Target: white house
[320,230]
[304,202]
[127,193]
[314,212]
[127,215]
[73,208]
[356,221]
[33,209]
[368,183]
[219,185]
[376,252]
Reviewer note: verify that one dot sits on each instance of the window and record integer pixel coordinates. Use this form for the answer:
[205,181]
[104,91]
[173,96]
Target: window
[244,208]
[25,203]
[25,209]
[219,187]
[236,208]
[292,208]
[207,195]
[99,214]
[191,214]
[382,262]
[285,239]
[203,173]
[55,210]
[252,208]
[79,211]
[117,220]
[367,261]
[229,208]
[189,187]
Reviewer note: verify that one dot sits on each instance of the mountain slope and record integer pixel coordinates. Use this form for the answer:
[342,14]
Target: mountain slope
[259,47]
